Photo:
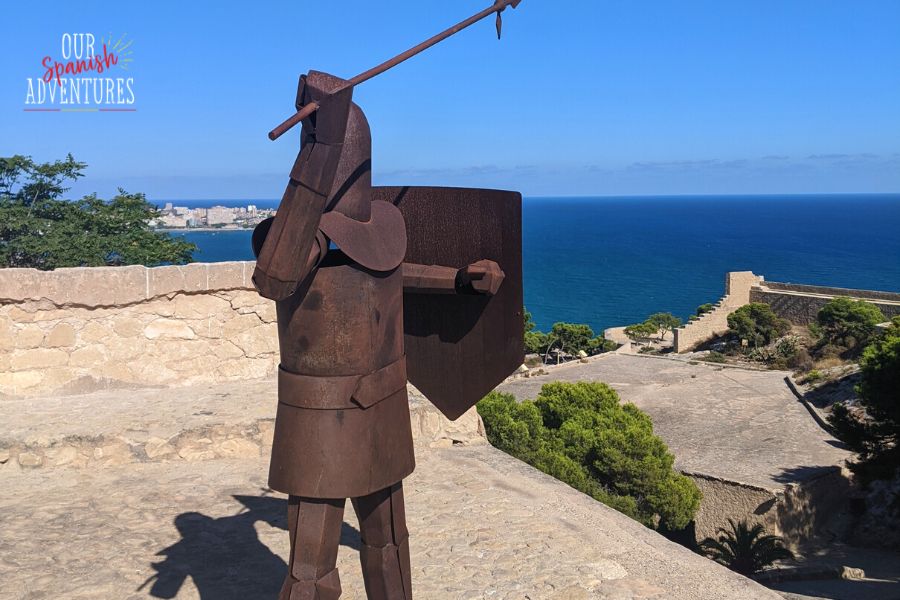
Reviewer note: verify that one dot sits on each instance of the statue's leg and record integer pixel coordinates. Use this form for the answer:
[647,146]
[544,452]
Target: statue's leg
[385,544]
[315,529]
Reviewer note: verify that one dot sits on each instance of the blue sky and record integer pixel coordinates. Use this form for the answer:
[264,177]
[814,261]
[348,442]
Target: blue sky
[580,98]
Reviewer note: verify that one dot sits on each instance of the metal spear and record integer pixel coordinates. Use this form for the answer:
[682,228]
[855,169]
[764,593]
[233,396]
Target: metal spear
[498,7]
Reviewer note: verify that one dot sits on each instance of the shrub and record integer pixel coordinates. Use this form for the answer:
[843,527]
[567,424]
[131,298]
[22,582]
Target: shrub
[801,361]
[812,377]
[849,323]
[744,549]
[581,434]
[704,308]
[876,439]
[757,323]
[715,357]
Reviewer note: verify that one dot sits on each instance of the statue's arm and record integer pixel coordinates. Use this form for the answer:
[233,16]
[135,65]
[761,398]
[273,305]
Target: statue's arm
[293,232]
[482,277]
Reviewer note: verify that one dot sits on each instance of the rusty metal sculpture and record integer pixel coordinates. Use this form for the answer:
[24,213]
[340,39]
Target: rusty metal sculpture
[374,286]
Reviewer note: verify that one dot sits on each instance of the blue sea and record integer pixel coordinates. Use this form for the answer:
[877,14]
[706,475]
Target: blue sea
[611,261]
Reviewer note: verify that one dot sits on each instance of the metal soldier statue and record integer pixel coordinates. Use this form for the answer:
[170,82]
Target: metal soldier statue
[374,287]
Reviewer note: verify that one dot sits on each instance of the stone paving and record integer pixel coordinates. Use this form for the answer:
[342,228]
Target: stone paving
[195,524]
[736,424]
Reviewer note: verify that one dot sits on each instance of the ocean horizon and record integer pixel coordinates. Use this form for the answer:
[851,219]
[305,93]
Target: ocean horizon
[613,260]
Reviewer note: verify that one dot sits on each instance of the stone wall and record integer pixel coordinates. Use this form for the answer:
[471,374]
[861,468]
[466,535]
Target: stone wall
[737,293]
[74,330]
[801,303]
[798,512]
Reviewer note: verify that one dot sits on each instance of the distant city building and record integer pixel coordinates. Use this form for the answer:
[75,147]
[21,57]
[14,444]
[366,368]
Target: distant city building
[219,215]
[180,217]
[170,220]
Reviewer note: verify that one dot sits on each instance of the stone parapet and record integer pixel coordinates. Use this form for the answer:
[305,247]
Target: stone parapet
[75,330]
[800,304]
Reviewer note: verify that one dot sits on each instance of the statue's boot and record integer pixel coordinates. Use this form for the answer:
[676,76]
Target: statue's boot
[385,544]
[315,529]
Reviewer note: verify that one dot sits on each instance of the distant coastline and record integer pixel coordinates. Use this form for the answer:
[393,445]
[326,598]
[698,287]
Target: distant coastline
[608,261]
[201,229]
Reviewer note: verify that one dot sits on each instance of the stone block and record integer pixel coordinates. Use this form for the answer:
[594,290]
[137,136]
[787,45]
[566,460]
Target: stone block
[127,326]
[114,371]
[62,456]
[89,356]
[7,334]
[125,349]
[18,314]
[258,341]
[239,324]
[169,329]
[38,358]
[61,336]
[95,332]
[57,377]
[199,306]
[17,285]
[158,307]
[242,298]
[225,276]
[237,448]
[225,349]
[29,336]
[14,383]
[174,279]
[30,460]
[95,286]
[248,268]
[157,448]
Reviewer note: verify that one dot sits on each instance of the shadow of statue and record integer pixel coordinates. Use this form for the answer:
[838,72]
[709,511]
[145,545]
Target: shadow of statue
[224,556]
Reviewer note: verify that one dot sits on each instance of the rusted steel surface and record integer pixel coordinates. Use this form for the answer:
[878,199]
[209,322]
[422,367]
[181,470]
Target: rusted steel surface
[304,110]
[459,347]
[374,286]
[314,527]
[293,232]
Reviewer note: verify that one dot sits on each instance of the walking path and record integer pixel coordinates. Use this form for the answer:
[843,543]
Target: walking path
[735,424]
[162,494]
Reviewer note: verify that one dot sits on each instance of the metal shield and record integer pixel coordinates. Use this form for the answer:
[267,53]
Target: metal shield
[460,347]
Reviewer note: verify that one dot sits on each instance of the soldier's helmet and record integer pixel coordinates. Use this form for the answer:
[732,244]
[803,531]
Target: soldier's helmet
[340,121]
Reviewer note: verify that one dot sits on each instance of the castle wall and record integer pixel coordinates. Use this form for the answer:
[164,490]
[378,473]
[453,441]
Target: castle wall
[800,304]
[80,329]
[797,513]
[737,293]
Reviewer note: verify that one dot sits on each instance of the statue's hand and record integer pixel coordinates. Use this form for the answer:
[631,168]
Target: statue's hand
[484,277]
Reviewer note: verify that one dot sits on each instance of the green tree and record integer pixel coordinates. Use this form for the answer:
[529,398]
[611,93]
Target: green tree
[566,337]
[757,323]
[664,322]
[40,230]
[876,436]
[744,549]
[849,323]
[572,338]
[640,332]
[581,434]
